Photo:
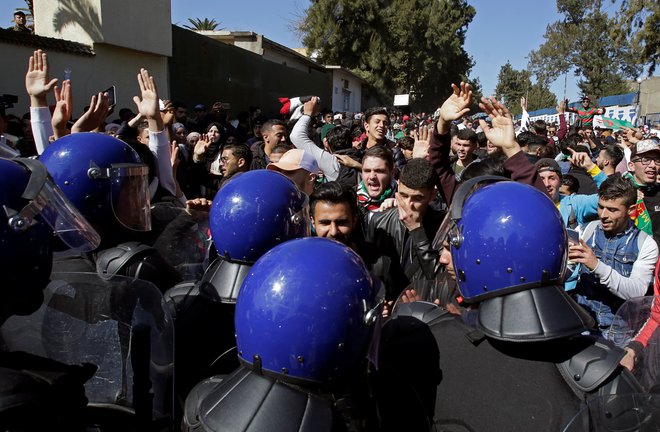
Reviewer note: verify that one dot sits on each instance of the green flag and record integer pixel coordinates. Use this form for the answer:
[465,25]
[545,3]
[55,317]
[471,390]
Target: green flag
[610,123]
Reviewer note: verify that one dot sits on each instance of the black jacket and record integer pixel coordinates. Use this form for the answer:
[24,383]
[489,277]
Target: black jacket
[412,255]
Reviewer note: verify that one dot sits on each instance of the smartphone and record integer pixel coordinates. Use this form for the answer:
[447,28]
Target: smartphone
[112,96]
[573,237]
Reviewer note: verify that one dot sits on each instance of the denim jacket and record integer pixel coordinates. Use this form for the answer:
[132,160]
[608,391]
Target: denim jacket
[618,252]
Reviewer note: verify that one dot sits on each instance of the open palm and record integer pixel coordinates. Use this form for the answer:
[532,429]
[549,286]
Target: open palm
[458,104]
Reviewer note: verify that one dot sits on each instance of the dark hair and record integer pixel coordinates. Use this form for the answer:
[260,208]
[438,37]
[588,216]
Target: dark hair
[482,140]
[615,187]
[336,193]
[281,148]
[531,140]
[488,166]
[240,151]
[267,126]
[540,127]
[548,151]
[374,111]
[467,134]
[179,104]
[380,152]
[339,138]
[406,143]
[614,154]
[418,173]
[221,128]
[572,183]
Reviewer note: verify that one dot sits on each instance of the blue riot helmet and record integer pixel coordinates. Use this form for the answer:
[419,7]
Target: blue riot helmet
[255,211]
[32,209]
[509,250]
[103,177]
[305,312]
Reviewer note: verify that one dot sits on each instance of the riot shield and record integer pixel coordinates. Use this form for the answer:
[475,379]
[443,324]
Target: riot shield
[122,327]
[184,240]
[618,413]
[629,320]
[637,325]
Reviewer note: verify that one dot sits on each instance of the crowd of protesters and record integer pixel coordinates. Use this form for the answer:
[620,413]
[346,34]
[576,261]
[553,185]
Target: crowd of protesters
[381,181]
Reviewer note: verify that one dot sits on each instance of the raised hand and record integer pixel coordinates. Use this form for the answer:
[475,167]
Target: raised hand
[95,115]
[421,147]
[63,108]
[580,159]
[37,83]
[148,106]
[168,113]
[523,103]
[561,108]
[200,148]
[311,107]
[455,107]
[500,132]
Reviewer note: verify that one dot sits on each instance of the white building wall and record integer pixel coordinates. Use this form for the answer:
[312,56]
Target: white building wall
[143,25]
[89,75]
[346,99]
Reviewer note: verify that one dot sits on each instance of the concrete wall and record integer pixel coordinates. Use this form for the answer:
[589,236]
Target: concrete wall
[203,70]
[138,25]
[649,96]
[354,92]
[89,75]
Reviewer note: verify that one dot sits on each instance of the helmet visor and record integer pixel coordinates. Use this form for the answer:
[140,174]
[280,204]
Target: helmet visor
[130,195]
[301,220]
[448,231]
[65,220]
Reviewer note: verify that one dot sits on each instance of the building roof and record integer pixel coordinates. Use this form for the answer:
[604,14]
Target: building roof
[621,100]
[45,43]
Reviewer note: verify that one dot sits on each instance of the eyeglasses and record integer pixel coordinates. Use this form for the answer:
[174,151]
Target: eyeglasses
[647,160]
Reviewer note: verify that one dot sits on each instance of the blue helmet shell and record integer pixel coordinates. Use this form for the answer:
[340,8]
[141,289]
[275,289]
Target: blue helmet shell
[255,211]
[301,312]
[510,238]
[68,161]
[25,256]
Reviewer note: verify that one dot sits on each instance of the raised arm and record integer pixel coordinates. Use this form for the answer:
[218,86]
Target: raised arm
[299,137]
[38,84]
[148,107]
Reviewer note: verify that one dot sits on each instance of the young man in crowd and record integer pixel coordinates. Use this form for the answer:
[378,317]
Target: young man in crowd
[586,113]
[376,124]
[404,233]
[273,132]
[377,182]
[643,170]
[608,159]
[235,158]
[465,144]
[617,259]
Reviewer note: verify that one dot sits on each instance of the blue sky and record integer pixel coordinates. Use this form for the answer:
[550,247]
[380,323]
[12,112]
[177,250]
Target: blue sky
[501,30]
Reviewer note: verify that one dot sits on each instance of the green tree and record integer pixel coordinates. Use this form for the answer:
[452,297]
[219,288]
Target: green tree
[203,24]
[581,43]
[637,23]
[400,46]
[513,84]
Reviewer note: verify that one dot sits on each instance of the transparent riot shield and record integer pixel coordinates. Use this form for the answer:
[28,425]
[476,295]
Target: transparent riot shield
[120,326]
[629,320]
[618,413]
[184,241]
[637,326]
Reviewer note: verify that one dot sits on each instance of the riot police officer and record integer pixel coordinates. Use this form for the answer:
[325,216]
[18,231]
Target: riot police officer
[36,393]
[515,359]
[304,322]
[252,213]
